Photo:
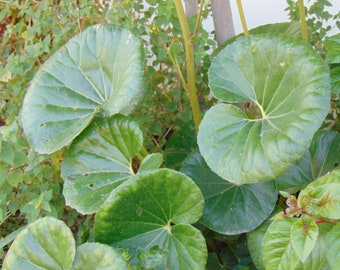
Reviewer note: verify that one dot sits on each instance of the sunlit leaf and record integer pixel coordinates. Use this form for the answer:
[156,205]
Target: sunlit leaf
[304,234]
[98,161]
[155,208]
[99,70]
[277,246]
[333,247]
[332,45]
[150,162]
[45,244]
[288,84]
[322,197]
[92,256]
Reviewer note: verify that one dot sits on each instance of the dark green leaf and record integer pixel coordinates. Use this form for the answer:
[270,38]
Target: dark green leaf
[322,157]
[229,208]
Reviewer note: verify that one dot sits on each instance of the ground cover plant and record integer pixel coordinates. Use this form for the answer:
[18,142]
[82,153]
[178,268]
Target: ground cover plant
[118,137]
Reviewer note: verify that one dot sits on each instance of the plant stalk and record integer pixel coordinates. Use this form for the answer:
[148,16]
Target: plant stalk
[243,18]
[303,21]
[190,64]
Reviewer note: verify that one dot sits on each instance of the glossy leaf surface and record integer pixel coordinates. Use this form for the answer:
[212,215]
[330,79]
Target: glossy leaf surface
[289,85]
[46,243]
[322,197]
[321,158]
[100,69]
[155,208]
[230,209]
[277,246]
[98,161]
[91,256]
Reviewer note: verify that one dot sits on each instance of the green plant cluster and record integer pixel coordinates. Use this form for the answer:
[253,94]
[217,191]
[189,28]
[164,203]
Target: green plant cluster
[105,140]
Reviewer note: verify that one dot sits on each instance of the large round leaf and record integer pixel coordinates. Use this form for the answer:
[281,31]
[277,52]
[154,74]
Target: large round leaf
[288,83]
[321,158]
[228,208]
[98,70]
[155,208]
[45,244]
[98,161]
[91,256]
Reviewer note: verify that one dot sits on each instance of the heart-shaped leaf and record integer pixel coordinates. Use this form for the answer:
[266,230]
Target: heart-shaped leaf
[321,158]
[155,208]
[288,86]
[98,161]
[228,208]
[322,197]
[277,246]
[92,256]
[45,244]
[100,69]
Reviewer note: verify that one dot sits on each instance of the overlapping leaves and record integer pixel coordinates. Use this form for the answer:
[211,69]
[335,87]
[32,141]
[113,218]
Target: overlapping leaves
[288,84]
[155,209]
[99,160]
[79,81]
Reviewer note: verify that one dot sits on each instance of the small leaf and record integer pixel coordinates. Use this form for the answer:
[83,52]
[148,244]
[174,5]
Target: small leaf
[277,246]
[304,234]
[98,161]
[98,256]
[333,247]
[46,243]
[155,208]
[150,162]
[322,197]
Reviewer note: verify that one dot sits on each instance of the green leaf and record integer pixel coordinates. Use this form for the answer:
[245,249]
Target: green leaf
[155,208]
[317,259]
[304,234]
[333,247]
[180,145]
[322,197]
[321,158]
[100,69]
[98,161]
[230,209]
[46,243]
[92,256]
[288,83]
[332,45]
[277,246]
[150,162]
[335,82]
[255,239]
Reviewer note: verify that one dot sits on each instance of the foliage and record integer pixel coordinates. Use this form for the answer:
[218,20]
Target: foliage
[106,107]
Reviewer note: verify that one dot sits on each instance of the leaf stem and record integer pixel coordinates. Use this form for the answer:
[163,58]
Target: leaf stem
[190,63]
[242,17]
[199,18]
[303,21]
